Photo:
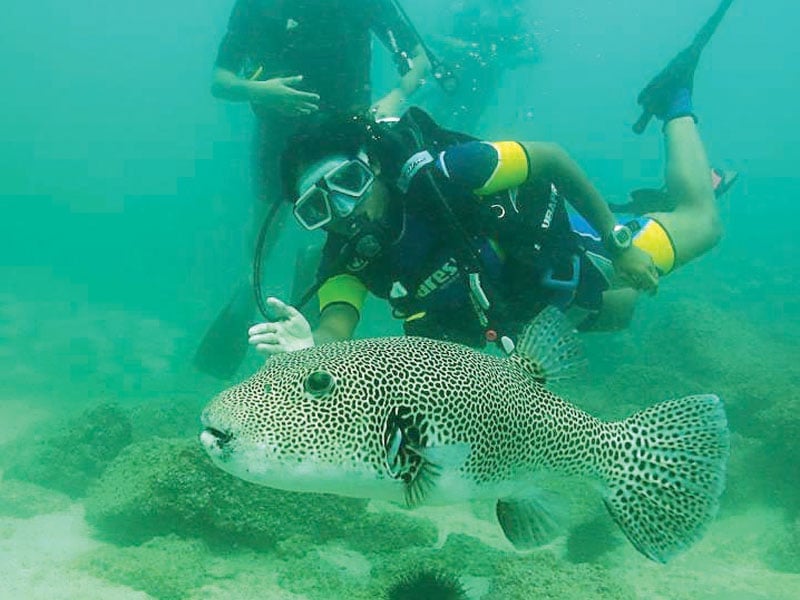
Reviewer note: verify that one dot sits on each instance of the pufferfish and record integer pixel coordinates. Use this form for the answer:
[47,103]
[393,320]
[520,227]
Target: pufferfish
[416,420]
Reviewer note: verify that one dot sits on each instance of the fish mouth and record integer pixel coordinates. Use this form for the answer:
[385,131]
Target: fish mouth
[215,441]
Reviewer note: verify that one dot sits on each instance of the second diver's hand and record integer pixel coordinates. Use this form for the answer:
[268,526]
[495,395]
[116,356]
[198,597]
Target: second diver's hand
[636,267]
[281,95]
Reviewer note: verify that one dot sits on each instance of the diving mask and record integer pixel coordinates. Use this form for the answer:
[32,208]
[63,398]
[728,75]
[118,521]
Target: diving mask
[332,189]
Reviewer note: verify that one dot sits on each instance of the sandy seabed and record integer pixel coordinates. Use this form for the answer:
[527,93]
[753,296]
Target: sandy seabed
[39,555]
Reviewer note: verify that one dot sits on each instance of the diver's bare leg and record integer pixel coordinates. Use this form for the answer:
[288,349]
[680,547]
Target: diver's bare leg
[617,310]
[694,225]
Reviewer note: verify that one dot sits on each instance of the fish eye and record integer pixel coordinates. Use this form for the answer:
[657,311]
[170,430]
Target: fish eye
[319,383]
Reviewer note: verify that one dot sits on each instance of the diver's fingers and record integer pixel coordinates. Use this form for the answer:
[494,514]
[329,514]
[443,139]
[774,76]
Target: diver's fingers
[650,278]
[268,339]
[280,310]
[293,111]
[646,281]
[258,328]
[269,349]
[634,280]
[306,108]
[291,80]
[306,96]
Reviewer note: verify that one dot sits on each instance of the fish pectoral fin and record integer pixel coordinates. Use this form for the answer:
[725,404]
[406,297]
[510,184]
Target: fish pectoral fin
[531,520]
[450,456]
[434,460]
[549,349]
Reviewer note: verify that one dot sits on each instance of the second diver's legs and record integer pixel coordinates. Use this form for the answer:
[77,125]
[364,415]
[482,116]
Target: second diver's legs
[694,225]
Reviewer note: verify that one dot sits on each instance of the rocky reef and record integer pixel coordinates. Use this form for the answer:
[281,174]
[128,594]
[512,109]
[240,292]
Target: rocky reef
[74,454]
[159,487]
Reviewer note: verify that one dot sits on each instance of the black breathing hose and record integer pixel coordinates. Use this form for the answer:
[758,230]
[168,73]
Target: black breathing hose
[259,253]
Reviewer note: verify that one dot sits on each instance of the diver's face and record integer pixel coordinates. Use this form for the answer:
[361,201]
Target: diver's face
[372,210]
[374,206]
[338,192]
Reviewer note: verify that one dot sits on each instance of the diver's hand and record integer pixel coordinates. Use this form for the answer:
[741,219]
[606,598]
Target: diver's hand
[289,331]
[636,267]
[389,105]
[279,94]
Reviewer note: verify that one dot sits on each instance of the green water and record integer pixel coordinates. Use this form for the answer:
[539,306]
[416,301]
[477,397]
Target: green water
[125,199]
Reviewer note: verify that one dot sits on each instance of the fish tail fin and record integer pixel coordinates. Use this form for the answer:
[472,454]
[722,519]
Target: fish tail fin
[664,488]
[549,348]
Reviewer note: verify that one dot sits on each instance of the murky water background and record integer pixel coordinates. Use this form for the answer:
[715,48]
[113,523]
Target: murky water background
[124,190]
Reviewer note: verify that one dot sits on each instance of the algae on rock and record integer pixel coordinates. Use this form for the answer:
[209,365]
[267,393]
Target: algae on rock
[76,454]
[159,487]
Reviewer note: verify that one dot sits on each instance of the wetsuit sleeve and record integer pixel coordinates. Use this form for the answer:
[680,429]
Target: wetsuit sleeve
[651,236]
[485,167]
[242,28]
[338,286]
[346,288]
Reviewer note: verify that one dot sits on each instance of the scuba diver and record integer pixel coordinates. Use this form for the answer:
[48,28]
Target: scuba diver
[468,240]
[488,38]
[292,59]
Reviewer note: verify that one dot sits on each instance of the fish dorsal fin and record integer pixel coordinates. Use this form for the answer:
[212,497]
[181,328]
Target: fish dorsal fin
[549,348]
[531,519]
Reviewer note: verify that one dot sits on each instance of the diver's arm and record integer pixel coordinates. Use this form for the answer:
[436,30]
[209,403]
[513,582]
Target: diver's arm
[420,65]
[397,33]
[227,85]
[336,323]
[341,299]
[390,104]
[236,47]
[549,163]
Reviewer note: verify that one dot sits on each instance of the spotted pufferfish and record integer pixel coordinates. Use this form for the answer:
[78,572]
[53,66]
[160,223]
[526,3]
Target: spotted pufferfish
[416,420]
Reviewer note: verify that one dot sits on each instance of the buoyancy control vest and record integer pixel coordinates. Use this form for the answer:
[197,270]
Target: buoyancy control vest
[534,237]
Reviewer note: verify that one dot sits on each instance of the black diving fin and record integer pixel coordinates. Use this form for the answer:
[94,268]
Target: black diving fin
[224,345]
[651,200]
[679,71]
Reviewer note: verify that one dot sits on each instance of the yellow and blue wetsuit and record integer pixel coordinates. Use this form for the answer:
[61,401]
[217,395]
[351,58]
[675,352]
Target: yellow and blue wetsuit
[648,235]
